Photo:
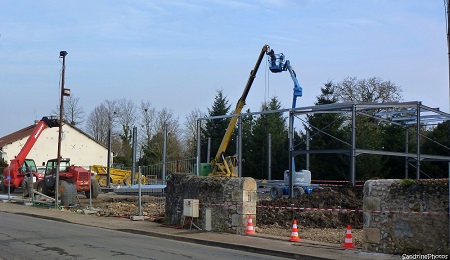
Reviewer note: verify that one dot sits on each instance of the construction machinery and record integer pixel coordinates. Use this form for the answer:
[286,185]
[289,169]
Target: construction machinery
[14,174]
[72,179]
[226,166]
[301,180]
[117,176]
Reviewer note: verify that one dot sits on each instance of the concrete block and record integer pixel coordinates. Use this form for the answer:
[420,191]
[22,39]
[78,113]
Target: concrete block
[135,218]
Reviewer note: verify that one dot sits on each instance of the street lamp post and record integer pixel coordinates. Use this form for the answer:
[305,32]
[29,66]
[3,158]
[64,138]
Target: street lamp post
[64,92]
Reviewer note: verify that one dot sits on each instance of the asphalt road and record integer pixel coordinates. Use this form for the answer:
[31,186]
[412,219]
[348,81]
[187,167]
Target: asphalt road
[23,237]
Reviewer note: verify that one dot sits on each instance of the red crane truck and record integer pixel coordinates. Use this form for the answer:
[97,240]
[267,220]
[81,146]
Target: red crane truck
[14,174]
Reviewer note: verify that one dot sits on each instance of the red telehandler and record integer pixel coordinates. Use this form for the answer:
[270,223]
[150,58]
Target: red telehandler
[13,175]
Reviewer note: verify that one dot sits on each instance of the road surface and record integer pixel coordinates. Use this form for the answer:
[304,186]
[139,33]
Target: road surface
[23,237]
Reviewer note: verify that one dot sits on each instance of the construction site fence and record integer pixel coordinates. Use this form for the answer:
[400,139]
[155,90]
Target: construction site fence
[155,173]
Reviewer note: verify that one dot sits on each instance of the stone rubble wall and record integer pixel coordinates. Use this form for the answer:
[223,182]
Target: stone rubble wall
[229,201]
[406,233]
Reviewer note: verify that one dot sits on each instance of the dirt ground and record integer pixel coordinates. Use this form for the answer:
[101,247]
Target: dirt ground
[274,217]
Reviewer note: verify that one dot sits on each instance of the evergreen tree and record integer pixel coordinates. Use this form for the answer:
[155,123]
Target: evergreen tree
[275,125]
[436,143]
[215,129]
[393,139]
[326,132]
[248,123]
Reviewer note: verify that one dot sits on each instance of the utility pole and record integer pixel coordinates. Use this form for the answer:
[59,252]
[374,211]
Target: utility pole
[64,92]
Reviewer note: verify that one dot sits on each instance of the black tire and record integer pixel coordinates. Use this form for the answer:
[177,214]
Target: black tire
[42,188]
[25,188]
[95,188]
[276,192]
[298,192]
[68,193]
[5,189]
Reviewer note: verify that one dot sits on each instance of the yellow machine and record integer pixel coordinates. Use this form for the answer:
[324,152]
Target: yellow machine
[226,166]
[117,176]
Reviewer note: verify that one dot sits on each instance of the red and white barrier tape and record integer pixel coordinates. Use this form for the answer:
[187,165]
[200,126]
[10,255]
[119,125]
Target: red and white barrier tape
[334,209]
[337,185]
[325,181]
[356,210]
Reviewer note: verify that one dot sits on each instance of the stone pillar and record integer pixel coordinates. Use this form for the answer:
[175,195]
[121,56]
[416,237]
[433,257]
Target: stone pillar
[225,203]
[396,219]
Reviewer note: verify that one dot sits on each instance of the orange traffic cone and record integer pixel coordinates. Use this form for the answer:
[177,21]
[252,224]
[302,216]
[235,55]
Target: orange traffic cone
[294,235]
[348,242]
[250,230]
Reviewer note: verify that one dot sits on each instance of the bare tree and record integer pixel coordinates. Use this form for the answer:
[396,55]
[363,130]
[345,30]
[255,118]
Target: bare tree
[190,136]
[127,118]
[367,90]
[97,124]
[148,115]
[73,113]
[165,122]
[101,120]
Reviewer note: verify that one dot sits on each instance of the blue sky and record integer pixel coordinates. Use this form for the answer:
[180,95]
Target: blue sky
[178,53]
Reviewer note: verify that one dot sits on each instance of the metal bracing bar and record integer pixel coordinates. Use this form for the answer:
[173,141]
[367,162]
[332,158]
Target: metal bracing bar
[385,113]
[325,133]
[422,118]
[379,118]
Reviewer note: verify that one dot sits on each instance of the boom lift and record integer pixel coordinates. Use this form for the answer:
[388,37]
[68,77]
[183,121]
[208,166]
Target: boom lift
[226,166]
[301,180]
[14,174]
[279,64]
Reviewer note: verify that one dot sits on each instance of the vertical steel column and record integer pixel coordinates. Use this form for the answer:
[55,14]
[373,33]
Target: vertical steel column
[353,151]
[291,149]
[406,151]
[239,159]
[108,169]
[139,191]
[418,141]
[307,149]
[269,156]
[198,146]
[164,155]
[133,156]
[353,148]
[208,154]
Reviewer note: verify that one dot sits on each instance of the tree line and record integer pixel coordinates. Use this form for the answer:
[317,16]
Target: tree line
[326,131]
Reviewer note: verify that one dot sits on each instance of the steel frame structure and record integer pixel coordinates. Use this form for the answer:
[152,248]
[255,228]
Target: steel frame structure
[404,114]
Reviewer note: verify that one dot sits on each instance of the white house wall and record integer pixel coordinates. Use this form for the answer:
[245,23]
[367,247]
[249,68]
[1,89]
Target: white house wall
[81,150]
